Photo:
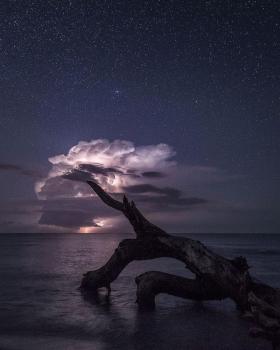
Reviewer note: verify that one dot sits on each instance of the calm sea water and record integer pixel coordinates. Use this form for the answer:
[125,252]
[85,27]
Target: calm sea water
[42,308]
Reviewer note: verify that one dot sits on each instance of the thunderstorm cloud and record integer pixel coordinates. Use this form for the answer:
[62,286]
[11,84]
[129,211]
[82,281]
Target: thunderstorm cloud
[168,192]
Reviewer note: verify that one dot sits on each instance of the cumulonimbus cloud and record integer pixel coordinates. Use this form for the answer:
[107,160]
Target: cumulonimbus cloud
[174,195]
[19,170]
[114,165]
[149,174]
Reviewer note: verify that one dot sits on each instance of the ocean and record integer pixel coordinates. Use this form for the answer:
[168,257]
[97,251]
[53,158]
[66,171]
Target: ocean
[41,306]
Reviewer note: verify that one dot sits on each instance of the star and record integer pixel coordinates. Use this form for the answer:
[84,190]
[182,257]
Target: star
[117,92]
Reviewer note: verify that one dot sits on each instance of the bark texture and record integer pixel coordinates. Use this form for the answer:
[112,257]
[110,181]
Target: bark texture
[152,283]
[216,277]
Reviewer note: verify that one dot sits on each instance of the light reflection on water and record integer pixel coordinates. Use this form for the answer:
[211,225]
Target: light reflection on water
[42,308]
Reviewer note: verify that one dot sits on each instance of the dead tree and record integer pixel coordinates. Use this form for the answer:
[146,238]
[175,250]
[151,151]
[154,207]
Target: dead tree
[216,277]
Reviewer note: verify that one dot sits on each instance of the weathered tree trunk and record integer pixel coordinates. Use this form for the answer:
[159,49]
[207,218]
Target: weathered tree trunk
[152,283]
[216,277]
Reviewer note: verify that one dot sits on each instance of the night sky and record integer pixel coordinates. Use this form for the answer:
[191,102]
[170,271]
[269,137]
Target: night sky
[177,103]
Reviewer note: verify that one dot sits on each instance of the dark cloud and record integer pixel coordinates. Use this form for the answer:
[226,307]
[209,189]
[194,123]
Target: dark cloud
[73,213]
[13,167]
[59,187]
[162,197]
[99,169]
[153,174]
[91,205]
[86,172]
[67,218]
[166,203]
[147,188]
[78,175]
[7,222]
[20,170]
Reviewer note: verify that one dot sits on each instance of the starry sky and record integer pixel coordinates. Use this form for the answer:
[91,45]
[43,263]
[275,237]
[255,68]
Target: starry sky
[175,103]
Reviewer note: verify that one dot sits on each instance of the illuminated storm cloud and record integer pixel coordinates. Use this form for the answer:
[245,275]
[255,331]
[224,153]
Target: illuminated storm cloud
[114,165]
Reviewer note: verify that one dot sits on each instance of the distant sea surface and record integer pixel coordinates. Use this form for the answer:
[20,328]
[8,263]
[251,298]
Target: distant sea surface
[42,308]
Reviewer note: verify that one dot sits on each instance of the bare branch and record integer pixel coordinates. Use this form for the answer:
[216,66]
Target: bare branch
[105,197]
[141,225]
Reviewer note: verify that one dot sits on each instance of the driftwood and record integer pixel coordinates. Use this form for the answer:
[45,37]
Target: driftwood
[216,277]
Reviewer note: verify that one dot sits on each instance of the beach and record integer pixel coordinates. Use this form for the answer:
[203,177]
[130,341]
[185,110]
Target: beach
[41,306]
